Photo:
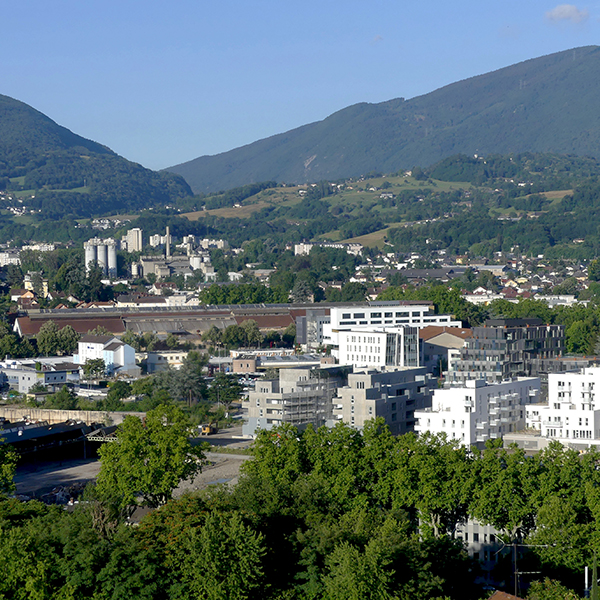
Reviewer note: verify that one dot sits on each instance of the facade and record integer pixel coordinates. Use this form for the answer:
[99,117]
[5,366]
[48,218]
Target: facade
[156,361]
[506,348]
[393,394]
[391,314]
[299,396]
[573,410]
[118,357]
[479,411]
[379,347]
[133,240]
[11,256]
[438,344]
[306,247]
[23,375]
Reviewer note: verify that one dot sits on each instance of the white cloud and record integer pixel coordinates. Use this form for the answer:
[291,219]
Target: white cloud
[567,12]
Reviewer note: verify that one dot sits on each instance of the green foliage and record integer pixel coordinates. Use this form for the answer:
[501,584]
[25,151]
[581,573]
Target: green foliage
[64,399]
[8,464]
[94,368]
[149,459]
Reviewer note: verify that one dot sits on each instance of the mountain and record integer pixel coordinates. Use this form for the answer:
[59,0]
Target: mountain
[547,104]
[63,174]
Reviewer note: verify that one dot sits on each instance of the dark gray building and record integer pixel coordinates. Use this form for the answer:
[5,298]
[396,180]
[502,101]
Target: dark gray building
[506,348]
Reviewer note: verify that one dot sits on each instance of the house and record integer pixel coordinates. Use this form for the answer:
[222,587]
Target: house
[118,357]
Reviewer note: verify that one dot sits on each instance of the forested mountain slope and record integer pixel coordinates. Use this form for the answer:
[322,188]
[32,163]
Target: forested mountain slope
[547,104]
[63,174]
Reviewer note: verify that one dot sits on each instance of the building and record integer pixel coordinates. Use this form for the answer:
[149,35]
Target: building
[22,375]
[133,240]
[393,394]
[306,247]
[380,314]
[299,396]
[572,414]
[507,348]
[118,357]
[163,360]
[379,347]
[102,253]
[479,411]
[438,344]
[11,256]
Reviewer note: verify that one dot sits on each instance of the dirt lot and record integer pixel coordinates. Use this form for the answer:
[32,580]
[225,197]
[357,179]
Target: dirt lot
[40,478]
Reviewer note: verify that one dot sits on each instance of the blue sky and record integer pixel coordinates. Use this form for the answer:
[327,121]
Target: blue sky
[164,83]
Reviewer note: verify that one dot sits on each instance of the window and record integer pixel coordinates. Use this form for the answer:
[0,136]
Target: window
[475,537]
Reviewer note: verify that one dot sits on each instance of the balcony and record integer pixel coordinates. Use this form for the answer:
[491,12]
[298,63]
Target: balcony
[481,425]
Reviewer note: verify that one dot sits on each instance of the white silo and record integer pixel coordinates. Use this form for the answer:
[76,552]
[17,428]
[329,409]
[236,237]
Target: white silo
[102,260]
[111,247]
[90,253]
[195,262]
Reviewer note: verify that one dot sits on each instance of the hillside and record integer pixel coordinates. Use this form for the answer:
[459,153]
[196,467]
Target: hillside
[547,104]
[63,174]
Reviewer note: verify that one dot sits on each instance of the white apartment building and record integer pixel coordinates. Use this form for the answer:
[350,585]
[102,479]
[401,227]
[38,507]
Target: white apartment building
[379,347]
[118,357]
[479,411]
[133,240]
[573,410]
[386,314]
[393,394]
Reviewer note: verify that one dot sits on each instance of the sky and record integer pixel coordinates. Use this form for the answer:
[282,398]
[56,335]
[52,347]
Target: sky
[163,83]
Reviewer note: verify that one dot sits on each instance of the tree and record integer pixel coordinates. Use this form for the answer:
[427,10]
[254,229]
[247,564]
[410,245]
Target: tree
[302,292]
[8,465]
[224,390]
[252,332]
[356,575]
[65,399]
[550,589]
[594,270]
[68,340]
[99,330]
[94,368]
[119,390]
[48,341]
[149,459]
[188,383]
[213,336]
[223,559]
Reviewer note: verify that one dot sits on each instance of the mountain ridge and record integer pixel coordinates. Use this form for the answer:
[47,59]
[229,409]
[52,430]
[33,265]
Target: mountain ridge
[63,174]
[545,104]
